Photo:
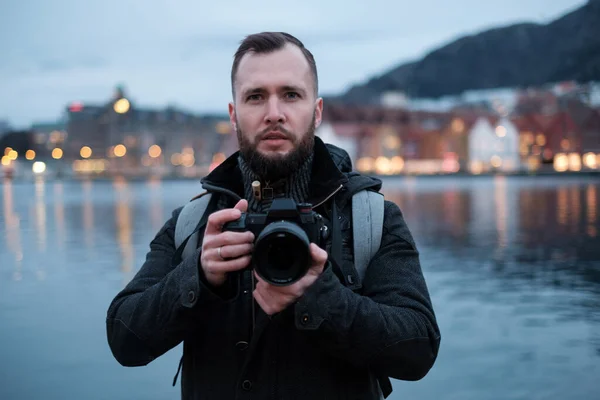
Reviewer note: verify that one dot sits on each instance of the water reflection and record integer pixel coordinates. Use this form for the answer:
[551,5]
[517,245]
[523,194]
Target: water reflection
[156,204]
[88,214]
[40,214]
[592,210]
[563,205]
[513,266]
[123,224]
[12,230]
[59,214]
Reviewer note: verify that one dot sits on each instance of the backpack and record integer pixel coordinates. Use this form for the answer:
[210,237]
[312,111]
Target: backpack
[367,225]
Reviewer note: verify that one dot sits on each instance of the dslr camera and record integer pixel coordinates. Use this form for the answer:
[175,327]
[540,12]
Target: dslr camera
[282,237]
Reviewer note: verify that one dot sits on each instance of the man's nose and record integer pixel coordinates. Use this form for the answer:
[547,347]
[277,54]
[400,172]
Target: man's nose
[274,113]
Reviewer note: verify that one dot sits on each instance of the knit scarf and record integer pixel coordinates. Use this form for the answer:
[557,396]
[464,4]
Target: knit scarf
[295,186]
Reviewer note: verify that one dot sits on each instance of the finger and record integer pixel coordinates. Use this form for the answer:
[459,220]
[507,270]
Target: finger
[221,267]
[228,238]
[217,219]
[236,250]
[319,257]
[272,300]
[258,296]
[242,205]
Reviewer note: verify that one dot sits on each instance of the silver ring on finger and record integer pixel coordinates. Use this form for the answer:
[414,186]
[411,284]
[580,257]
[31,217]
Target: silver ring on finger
[219,253]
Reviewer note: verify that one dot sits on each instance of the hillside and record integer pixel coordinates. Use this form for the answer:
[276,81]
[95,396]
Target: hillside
[520,55]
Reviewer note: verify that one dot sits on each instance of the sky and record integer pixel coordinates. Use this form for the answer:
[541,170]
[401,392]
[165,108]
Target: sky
[179,52]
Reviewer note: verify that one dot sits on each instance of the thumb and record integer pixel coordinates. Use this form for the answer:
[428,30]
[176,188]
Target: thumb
[242,205]
[319,257]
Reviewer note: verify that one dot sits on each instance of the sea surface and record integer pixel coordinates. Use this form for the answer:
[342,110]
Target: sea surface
[512,264]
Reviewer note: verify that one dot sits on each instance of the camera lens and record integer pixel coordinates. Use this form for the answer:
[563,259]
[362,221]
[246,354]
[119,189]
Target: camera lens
[281,253]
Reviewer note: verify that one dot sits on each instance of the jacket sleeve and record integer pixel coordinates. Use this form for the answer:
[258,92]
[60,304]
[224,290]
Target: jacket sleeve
[152,314]
[391,326]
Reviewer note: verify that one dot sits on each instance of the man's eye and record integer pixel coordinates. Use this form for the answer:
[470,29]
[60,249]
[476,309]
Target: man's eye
[254,97]
[292,95]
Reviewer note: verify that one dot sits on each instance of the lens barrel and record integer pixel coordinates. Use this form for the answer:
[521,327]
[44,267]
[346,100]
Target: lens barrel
[281,253]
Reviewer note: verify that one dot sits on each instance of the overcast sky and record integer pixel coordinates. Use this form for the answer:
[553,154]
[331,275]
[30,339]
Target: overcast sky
[179,52]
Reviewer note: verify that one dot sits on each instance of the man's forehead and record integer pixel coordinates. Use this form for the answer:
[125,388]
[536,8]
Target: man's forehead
[283,67]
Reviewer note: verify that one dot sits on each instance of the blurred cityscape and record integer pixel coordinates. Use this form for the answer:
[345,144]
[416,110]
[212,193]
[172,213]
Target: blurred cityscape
[549,129]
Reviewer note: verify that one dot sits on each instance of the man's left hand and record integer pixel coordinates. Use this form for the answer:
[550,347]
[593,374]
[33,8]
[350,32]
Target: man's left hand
[274,299]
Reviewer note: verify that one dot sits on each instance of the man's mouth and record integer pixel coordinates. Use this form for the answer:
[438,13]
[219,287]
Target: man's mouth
[274,136]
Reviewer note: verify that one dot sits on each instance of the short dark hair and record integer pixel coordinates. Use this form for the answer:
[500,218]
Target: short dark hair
[267,42]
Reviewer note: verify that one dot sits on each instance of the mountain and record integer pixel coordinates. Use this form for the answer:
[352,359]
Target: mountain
[520,55]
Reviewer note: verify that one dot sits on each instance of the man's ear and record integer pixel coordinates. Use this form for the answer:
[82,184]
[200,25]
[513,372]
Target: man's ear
[318,112]
[232,118]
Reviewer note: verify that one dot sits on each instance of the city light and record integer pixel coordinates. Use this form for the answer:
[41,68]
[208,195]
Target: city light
[88,166]
[574,162]
[589,160]
[38,167]
[541,139]
[392,142]
[120,150]
[5,161]
[7,150]
[85,152]
[476,167]
[496,161]
[458,125]
[187,159]
[154,151]
[76,106]
[30,155]
[382,165]
[365,164]
[12,155]
[500,131]
[57,153]
[176,159]
[397,164]
[121,106]
[223,128]
[561,162]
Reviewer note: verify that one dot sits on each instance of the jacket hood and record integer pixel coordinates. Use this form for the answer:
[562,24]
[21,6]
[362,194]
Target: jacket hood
[356,181]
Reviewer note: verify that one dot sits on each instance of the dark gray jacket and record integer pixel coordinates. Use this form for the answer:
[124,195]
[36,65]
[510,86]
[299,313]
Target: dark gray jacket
[335,342]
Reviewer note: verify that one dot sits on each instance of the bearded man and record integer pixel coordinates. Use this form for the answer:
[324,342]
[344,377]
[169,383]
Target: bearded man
[327,334]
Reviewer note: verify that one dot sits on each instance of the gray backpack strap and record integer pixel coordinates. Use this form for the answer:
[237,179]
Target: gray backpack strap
[188,219]
[367,227]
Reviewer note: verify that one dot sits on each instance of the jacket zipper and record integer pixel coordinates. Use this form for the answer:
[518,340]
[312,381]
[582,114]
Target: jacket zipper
[328,197]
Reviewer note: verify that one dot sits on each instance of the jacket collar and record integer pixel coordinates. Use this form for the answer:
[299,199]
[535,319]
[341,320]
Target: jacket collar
[326,177]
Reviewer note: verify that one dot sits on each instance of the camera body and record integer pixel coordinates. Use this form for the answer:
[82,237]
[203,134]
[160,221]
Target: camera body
[282,237]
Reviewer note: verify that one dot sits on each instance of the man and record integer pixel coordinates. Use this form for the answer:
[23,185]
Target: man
[328,335]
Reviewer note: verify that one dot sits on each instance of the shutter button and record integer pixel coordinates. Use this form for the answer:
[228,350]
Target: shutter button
[246,385]
[191,296]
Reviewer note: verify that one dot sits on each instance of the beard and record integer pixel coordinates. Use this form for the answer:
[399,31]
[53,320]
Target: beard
[277,166]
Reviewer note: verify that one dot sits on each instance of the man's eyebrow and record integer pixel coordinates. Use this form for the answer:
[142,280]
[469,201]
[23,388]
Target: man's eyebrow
[291,88]
[285,88]
[253,90]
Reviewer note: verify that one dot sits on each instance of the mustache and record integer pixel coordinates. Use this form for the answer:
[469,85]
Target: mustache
[288,135]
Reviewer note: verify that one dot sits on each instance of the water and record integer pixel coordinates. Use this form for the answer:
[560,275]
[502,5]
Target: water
[513,266]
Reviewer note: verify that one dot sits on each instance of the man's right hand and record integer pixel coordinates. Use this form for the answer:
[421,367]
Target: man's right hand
[235,247]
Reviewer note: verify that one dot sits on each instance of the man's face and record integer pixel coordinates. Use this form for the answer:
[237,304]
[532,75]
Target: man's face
[275,112]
